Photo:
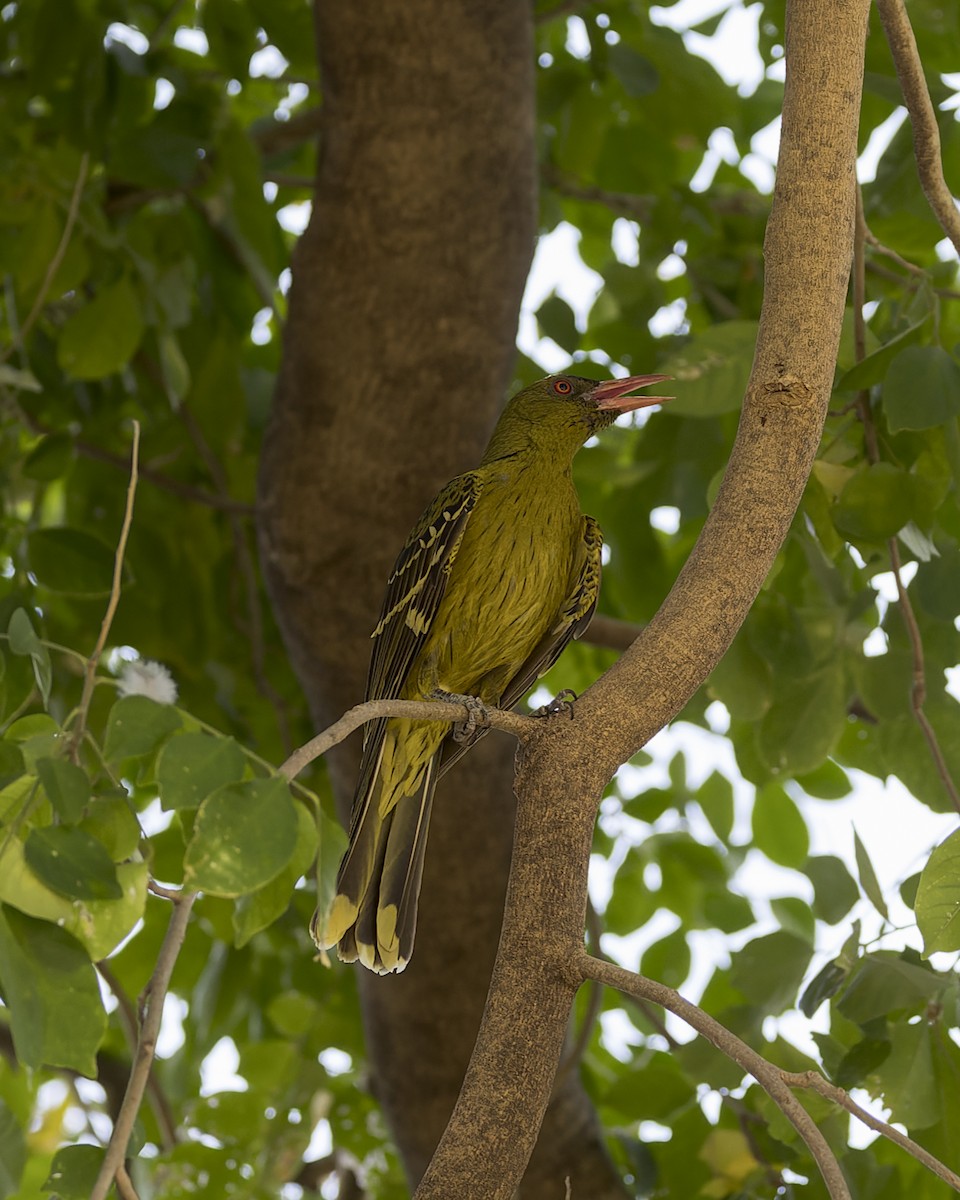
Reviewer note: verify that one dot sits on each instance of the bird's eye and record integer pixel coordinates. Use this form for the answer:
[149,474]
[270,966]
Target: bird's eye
[563,387]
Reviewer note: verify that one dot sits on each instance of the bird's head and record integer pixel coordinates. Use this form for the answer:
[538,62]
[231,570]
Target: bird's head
[564,410]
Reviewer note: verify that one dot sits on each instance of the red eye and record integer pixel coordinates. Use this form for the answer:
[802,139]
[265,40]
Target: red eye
[563,387]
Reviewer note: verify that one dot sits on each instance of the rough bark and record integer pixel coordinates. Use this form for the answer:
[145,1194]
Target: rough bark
[565,765]
[397,355]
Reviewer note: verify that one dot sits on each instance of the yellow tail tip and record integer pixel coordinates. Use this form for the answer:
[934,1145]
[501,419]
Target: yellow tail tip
[339,918]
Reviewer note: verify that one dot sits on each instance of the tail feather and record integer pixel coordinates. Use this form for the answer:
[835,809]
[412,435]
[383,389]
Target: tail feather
[373,915]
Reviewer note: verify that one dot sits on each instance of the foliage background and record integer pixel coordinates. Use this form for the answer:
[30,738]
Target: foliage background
[167,306]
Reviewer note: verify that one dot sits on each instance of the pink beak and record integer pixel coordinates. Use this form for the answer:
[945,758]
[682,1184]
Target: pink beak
[611,395]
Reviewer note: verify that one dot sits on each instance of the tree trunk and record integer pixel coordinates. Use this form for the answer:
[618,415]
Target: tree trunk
[397,356]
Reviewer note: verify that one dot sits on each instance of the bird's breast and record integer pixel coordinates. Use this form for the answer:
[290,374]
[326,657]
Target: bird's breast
[508,582]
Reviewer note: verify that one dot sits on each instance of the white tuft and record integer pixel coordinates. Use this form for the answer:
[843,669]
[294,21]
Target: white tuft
[146,678]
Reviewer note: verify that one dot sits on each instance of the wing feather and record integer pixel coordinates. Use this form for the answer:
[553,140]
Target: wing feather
[571,622]
[413,595]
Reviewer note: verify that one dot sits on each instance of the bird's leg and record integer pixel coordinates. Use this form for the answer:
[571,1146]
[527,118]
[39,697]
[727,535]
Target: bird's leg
[561,703]
[476,713]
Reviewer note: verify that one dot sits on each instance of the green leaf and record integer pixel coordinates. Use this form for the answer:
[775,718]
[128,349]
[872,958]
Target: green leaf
[13,1152]
[24,641]
[921,389]
[860,1061]
[668,961]
[71,561]
[12,765]
[101,337]
[99,924]
[638,76]
[768,971]
[50,458]
[868,877]
[710,374]
[245,834]
[715,797]
[50,987]
[66,786]
[803,725]
[779,829]
[72,862]
[908,1079]
[74,1171]
[938,898]
[742,681]
[555,320]
[875,504]
[873,368]
[261,908]
[834,891]
[826,983]
[829,781]
[136,727]
[795,916]
[885,984]
[192,765]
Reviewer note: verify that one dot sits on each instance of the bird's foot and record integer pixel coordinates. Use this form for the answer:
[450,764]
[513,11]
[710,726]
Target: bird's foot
[561,703]
[477,715]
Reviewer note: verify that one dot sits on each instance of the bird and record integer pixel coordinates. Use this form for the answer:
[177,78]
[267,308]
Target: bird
[496,577]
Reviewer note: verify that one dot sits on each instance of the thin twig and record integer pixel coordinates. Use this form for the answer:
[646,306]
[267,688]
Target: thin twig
[128,1019]
[765,1073]
[911,284]
[151,1007]
[54,265]
[918,689]
[114,600]
[816,1082]
[923,117]
[414,710]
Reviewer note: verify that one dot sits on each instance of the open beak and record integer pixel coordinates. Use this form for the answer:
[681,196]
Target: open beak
[612,395]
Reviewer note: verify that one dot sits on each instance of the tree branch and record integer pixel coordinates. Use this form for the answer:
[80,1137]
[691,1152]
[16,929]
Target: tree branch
[564,767]
[151,1007]
[830,1091]
[923,117]
[765,1073]
[421,710]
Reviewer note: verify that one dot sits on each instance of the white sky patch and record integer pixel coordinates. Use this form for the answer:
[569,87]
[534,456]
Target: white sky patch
[132,38]
[732,50]
[557,267]
[670,319]
[665,518]
[164,92]
[171,1036]
[294,218]
[268,62]
[625,240]
[578,40]
[195,40]
[720,148]
[218,1071]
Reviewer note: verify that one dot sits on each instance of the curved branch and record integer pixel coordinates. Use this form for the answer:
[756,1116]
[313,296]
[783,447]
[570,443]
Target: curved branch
[563,770]
[765,1073]
[923,117]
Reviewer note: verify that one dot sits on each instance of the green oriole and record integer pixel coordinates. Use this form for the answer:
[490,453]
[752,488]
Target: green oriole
[501,571]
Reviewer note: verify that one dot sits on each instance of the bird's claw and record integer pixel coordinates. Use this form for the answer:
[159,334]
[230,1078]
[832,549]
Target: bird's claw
[561,703]
[477,715]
